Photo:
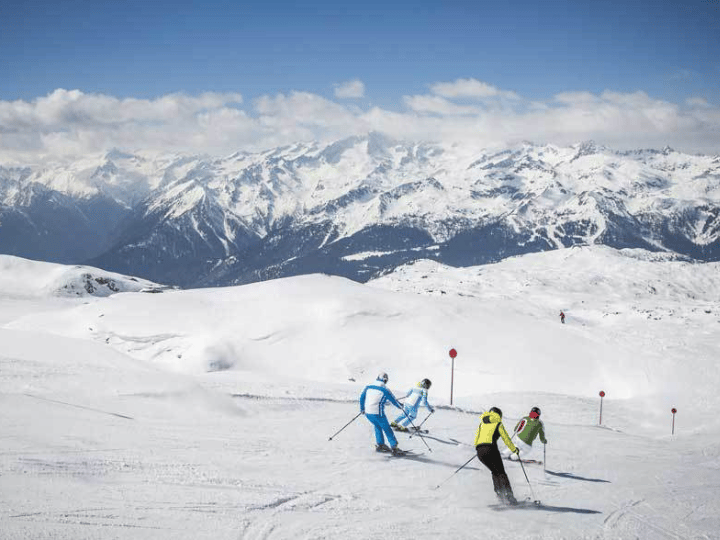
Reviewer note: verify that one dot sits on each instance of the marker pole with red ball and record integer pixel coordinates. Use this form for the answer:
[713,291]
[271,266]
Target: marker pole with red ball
[602,395]
[673,411]
[453,354]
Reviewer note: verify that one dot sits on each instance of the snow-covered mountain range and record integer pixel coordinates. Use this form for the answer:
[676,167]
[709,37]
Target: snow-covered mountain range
[358,208]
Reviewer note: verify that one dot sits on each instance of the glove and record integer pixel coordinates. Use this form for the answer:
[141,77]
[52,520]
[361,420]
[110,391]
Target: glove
[432,411]
[517,451]
[362,412]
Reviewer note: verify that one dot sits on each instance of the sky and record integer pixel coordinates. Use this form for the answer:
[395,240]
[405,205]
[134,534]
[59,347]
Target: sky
[216,76]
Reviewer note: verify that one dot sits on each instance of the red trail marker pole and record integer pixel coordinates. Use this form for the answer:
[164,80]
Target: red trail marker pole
[602,395]
[453,354]
[673,411]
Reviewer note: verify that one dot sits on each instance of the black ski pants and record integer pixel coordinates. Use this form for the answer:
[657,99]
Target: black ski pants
[490,456]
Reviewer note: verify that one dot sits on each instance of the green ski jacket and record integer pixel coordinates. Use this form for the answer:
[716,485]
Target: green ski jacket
[529,428]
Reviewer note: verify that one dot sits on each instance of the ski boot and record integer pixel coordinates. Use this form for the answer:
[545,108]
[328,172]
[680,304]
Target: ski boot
[397,452]
[382,448]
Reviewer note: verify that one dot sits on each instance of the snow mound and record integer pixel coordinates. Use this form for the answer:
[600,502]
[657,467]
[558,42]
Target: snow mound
[23,278]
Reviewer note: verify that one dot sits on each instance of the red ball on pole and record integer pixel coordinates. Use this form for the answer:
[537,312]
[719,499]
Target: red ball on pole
[602,394]
[673,411]
[453,354]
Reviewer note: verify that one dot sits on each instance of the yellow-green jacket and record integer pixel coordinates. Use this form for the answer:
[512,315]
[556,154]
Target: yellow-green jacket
[490,429]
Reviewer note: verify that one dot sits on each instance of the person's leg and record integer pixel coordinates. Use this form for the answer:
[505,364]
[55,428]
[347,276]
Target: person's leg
[524,449]
[375,421]
[409,416]
[385,426]
[399,418]
[500,477]
[484,452]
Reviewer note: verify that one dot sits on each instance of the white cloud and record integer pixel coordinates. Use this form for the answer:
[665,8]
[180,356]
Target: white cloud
[698,102]
[350,90]
[471,89]
[438,105]
[576,98]
[72,123]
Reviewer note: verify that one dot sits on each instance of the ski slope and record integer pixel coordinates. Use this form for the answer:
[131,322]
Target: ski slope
[206,413]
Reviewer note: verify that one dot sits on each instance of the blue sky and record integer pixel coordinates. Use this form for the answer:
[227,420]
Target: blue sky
[127,49]
[536,48]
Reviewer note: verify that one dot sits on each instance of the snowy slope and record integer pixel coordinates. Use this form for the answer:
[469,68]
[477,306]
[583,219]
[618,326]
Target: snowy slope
[207,413]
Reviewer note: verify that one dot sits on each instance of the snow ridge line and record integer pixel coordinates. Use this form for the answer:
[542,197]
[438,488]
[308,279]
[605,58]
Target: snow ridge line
[261,397]
[286,398]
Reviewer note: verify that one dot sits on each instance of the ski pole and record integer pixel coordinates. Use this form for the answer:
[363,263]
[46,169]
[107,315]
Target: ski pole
[413,425]
[528,480]
[421,423]
[346,425]
[544,458]
[457,471]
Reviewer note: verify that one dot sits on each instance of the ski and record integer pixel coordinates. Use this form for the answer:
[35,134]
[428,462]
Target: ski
[422,431]
[527,504]
[530,461]
[398,453]
[405,454]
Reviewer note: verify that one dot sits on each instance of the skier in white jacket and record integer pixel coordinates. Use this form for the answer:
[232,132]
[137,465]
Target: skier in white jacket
[414,399]
[372,405]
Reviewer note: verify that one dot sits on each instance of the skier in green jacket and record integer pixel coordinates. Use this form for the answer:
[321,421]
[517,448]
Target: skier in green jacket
[527,429]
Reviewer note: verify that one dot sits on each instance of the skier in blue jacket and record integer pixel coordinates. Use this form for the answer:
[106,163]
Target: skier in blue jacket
[372,405]
[414,399]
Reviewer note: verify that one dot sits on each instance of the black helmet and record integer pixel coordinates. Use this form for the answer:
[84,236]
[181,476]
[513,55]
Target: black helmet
[535,410]
[426,383]
[382,377]
[496,410]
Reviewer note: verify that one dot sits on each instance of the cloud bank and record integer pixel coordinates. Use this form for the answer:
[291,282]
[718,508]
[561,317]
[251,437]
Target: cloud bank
[71,123]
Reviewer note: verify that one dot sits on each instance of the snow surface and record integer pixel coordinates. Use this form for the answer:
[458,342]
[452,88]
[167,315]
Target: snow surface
[207,413]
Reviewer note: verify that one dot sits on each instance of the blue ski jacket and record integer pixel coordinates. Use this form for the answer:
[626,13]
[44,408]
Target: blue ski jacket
[374,397]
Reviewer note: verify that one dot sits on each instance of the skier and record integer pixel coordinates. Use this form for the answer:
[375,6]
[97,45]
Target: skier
[490,429]
[372,405]
[414,399]
[528,428]
[562,317]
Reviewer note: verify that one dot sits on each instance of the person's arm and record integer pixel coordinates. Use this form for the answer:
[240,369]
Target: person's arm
[542,434]
[506,439]
[392,399]
[362,400]
[425,403]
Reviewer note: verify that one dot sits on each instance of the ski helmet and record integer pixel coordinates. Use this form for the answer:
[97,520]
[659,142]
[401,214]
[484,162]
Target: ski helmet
[496,410]
[383,377]
[535,410]
[426,383]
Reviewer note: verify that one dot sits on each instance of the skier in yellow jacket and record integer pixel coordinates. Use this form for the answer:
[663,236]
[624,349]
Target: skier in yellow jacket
[489,431]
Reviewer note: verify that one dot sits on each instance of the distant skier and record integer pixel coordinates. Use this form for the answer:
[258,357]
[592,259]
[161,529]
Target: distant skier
[372,405]
[490,429]
[527,430]
[562,317]
[414,399]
